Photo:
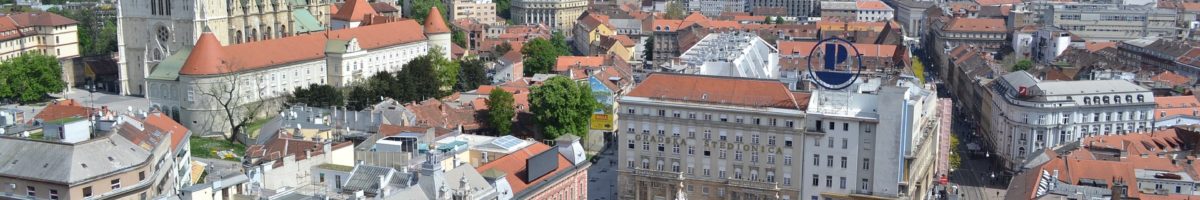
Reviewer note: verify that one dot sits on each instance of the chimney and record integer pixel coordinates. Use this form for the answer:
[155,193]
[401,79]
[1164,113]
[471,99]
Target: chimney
[569,147]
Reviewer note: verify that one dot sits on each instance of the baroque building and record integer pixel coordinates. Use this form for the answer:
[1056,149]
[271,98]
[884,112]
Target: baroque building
[556,14]
[151,30]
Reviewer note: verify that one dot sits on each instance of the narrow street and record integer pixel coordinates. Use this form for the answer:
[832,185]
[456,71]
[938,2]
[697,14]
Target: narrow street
[978,177]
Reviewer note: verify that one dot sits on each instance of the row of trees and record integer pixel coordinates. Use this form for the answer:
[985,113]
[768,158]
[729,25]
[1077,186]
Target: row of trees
[560,106]
[427,76]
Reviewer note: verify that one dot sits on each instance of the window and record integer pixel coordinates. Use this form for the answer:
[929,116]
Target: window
[828,181]
[787,160]
[54,194]
[691,150]
[831,125]
[816,143]
[116,183]
[845,143]
[843,162]
[770,158]
[737,155]
[830,142]
[31,191]
[829,162]
[675,148]
[866,183]
[866,163]
[771,140]
[842,183]
[754,139]
[141,175]
[631,144]
[816,181]
[845,126]
[816,160]
[646,145]
[722,156]
[661,147]
[754,157]
[87,191]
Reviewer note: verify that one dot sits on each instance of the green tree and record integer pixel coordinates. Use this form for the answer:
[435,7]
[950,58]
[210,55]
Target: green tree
[360,98]
[447,72]
[778,20]
[648,49]
[540,56]
[316,95]
[767,20]
[502,9]
[560,42]
[472,74]
[1024,64]
[502,48]
[413,80]
[459,38]
[675,10]
[97,36]
[562,106]
[420,10]
[500,111]
[955,159]
[29,77]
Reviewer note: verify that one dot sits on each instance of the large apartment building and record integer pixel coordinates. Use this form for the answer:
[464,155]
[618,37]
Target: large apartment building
[558,15]
[41,32]
[1112,22]
[707,137]
[875,139]
[116,157]
[1042,114]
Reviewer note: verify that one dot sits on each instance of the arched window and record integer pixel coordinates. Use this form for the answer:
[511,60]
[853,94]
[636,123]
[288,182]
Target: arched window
[239,37]
[660,165]
[1106,100]
[1087,101]
[1116,99]
[1141,98]
[1129,98]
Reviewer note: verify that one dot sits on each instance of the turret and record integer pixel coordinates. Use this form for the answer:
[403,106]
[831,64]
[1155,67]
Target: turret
[437,31]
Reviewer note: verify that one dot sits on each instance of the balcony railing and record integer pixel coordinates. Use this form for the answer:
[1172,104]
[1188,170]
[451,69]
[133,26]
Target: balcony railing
[659,174]
[752,184]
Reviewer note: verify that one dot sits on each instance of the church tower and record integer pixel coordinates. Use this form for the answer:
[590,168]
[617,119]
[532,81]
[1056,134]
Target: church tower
[437,31]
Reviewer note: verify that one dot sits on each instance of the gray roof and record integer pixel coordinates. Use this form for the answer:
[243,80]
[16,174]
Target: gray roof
[68,163]
[465,178]
[366,179]
[1020,79]
[1086,87]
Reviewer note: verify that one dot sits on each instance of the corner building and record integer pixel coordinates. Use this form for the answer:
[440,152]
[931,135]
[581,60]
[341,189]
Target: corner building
[708,137]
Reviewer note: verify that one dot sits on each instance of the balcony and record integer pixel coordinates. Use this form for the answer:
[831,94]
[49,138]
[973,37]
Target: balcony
[752,184]
[814,131]
[659,174]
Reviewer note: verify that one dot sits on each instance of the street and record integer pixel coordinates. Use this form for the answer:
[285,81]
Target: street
[602,176]
[977,177]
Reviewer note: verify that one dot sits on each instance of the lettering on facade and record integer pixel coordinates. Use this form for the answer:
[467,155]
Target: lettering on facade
[711,144]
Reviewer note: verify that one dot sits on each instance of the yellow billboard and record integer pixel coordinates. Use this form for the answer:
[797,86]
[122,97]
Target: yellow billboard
[602,122]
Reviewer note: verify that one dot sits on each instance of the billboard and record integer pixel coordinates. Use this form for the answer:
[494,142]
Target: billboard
[602,122]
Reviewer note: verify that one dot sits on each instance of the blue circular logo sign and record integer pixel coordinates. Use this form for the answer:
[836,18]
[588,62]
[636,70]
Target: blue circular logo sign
[838,63]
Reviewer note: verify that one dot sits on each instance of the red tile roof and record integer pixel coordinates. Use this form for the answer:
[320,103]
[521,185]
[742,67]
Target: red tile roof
[209,58]
[1176,105]
[996,2]
[434,113]
[564,63]
[976,25]
[1190,6]
[872,5]
[1097,46]
[1171,79]
[30,19]
[62,109]
[867,50]
[435,23]
[354,11]
[514,166]
[716,90]
[167,125]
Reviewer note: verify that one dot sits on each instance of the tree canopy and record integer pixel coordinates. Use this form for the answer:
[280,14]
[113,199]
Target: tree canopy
[648,50]
[459,37]
[316,95]
[540,56]
[1024,64]
[500,111]
[420,10]
[30,77]
[675,10]
[562,106]
[502,9]
[360,97]
[97,36]
[472,74]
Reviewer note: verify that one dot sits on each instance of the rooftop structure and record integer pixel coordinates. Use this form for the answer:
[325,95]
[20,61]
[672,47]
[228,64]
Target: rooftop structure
[734,54]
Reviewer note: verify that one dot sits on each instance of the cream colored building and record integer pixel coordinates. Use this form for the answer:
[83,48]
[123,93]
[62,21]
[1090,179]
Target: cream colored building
[556,14]
[709,137]
[41,32]
[482,11]
[151,30]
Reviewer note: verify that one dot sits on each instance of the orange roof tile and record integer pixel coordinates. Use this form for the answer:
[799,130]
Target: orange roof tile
[353,11]
[62,109]
[716,90]
[209,58]
[434,23]
[1190,6]
[167,125]
[1097,46]
[564,63]
[514,164]
[872,5]
[976,25]
[867,50]
[996,2]
[1171,79]
[1176,105]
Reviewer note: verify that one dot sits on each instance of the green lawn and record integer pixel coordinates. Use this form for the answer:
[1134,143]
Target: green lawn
[208,147]
[37,136]
[253,127]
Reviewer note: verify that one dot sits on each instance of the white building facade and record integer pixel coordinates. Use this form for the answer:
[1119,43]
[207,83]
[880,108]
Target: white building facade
[1039,115]
[193,84]
[861,140]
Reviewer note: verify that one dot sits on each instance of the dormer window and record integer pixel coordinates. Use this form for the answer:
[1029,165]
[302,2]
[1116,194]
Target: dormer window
[1106,100]
[1141,98]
